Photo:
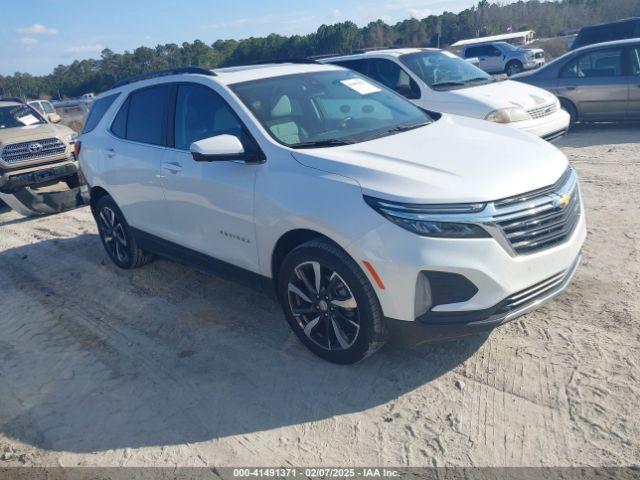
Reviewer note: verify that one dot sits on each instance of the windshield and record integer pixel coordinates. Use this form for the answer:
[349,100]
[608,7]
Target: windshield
[19,116]
[444,71]
[329,108]
[506,46]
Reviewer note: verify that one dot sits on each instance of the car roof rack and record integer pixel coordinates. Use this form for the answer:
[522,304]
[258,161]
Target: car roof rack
[283,60]
[164,73]
[13,99]
[369,49]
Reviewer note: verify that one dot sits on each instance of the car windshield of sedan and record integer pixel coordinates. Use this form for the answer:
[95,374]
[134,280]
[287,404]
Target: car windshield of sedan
[443,70]
[328,108]
[19,116]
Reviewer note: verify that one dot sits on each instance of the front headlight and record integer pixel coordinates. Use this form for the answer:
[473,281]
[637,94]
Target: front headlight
[431,220]
[71,138]
[508,115]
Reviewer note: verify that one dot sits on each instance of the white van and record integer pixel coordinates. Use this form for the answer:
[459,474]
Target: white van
[440,81]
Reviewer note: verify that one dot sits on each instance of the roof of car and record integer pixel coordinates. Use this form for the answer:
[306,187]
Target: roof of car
[4,103]
[613,43]
[247,73]
[391,52]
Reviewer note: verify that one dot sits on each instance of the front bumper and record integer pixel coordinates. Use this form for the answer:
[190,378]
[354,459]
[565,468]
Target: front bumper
[533,64]
[442,326]
[15,179]
[550,127]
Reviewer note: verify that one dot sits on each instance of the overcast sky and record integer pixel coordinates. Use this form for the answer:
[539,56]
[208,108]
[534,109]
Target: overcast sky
[37,35]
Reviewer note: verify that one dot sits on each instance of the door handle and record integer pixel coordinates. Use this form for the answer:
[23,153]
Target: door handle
[110,152]
[173,167]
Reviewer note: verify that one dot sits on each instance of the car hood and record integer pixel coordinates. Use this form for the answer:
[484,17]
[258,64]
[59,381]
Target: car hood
[455,159]
[504,94]
[32,132]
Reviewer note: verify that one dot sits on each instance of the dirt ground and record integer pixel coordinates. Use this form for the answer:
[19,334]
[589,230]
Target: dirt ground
[168,366]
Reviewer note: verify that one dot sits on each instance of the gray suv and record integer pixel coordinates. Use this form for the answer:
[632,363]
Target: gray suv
[596,83]
[502,57]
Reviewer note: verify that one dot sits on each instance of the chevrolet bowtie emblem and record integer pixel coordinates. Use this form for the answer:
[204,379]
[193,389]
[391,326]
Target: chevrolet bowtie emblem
[564,200]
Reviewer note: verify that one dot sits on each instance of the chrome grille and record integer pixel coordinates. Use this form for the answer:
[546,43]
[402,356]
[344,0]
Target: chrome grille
[544,111]
[15,153]
[540,219]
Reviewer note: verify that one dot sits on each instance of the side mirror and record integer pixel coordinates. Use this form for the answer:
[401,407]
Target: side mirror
[220,148]
[54,118]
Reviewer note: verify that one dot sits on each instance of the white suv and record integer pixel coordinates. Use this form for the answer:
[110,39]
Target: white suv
[368,215]
[439,80]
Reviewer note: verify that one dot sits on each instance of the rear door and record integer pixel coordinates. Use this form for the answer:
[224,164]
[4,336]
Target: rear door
[597,84]
[133,153]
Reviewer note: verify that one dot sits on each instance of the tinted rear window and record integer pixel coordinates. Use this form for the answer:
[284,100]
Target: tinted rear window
[146,116]
[98,110]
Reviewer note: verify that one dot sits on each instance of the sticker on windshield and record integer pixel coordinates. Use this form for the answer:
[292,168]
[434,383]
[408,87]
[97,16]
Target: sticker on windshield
[28,120]
[360,85]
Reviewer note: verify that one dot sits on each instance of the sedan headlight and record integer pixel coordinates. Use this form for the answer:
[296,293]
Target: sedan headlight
[431,220]
[71,138]
[508,115]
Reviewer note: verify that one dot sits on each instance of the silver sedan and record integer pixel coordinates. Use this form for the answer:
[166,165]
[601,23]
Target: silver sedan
[595,83]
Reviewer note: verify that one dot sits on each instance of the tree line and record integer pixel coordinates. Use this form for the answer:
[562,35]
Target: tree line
[547,18]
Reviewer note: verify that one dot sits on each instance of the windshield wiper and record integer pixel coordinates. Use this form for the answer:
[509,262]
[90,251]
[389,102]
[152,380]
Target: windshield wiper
[448,84]
[480,79]
[406,128]
[332,142]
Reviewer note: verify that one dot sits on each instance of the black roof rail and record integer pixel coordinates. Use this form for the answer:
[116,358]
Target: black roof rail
[326,55]
[164,73]
[283,60]
[13,99]
[369,49]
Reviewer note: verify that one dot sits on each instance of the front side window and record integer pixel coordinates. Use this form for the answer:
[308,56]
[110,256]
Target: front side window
[327,108]
[202,113]
[146,114]
[393,76]
[48,108]
[444,71]
[15,116]
[601,63]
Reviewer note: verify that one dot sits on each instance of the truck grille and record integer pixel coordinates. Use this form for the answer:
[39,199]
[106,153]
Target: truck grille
[539,55]
[544,111]
[15,153]
[542,218]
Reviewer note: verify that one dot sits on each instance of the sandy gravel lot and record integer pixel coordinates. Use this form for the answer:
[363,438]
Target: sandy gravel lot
[168,366]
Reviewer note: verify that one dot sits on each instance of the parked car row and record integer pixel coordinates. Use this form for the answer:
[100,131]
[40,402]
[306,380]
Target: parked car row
[439,80]
[369,215]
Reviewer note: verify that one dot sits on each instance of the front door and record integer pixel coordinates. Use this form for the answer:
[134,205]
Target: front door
[633,110]
[597,85]
[210,203]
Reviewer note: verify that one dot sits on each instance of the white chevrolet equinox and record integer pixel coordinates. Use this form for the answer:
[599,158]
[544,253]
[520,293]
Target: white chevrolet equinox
[368,215]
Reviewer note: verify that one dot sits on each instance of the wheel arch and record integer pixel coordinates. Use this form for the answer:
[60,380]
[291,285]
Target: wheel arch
[288,242]
[571,103]
[96,193]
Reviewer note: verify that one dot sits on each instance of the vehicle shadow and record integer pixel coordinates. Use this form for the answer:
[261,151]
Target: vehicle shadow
[93,358]
[582,134]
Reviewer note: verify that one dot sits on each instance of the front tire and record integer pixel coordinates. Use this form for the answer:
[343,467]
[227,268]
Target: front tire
[513,67]
[568,107]
[330,304]
[116,235]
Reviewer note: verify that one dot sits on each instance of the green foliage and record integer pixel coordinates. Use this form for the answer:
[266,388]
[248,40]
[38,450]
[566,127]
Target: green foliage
[547,18]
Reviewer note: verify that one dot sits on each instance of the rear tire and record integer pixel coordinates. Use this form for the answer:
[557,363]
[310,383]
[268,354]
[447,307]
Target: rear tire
[117,237]
[341,321]
[513,67]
